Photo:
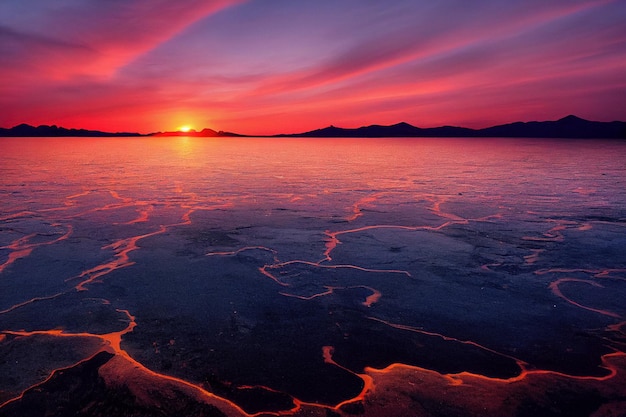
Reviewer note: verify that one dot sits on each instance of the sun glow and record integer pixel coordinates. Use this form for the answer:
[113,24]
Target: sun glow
[184,128]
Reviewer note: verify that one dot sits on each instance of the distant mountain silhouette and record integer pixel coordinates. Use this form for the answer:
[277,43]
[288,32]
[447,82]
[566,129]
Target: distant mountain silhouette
[25,130]
[205,133]
[394,131]
[567,127]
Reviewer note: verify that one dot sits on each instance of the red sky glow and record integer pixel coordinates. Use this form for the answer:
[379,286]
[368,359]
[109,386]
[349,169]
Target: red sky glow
[283,66]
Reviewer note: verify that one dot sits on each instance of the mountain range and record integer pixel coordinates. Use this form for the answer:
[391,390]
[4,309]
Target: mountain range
[25,130]
[204,133]
[567,127]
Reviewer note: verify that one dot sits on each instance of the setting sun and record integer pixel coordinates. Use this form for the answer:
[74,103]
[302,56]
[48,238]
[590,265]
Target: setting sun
[313,208]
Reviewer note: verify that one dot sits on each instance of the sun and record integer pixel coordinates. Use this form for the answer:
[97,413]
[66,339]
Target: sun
[185,128]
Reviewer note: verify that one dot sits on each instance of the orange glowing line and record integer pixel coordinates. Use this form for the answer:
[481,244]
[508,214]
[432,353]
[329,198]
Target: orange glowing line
[297,403]
[356,208]
[369,300]
[340,266]
[121,259]
[48,378]
[16,215]
[115,195]
[616,327]
[327,354]
[368,381]
[73,196]
[554,234]
[32,300]
[202,393]
[143,216]
[14,256]
[533,257]
[186,218]
[264,271]
[238,251]
[519,362]
[525,373]
[554,286]
[333,241]
[329,291]
[21,248]
[331,244]
[373,298]
[458,378]
[487,267]
[597,273]
[113,342]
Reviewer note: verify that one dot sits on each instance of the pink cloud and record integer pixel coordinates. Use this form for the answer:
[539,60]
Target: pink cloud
[255,69]
[96,38]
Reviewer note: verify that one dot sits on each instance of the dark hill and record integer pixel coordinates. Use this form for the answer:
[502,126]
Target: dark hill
[25,130]
[204,133]
[567,127]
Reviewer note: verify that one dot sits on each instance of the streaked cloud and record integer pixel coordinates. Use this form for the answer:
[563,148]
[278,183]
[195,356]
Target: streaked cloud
[276,66]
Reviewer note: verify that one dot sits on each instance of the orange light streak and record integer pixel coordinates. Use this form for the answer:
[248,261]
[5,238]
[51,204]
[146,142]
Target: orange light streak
[368,381]
[32,300]
[21,248]
[264,269]
[238,251]
[329,291]
[121,259]
[533,257]
[333,241]
[554,234]
[356,208]
[75,196]
[143,216]
[48,378]
[373,298]
[112,341]
[596,273]
[18,215]
[461,377]
[457,378]
[487,267]
[554,286]
[519,362]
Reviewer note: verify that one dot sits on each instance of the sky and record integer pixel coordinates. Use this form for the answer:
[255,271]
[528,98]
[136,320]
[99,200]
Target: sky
[288,66]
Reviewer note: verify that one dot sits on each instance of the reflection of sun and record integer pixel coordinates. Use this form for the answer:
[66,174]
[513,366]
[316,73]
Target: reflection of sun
[184,128]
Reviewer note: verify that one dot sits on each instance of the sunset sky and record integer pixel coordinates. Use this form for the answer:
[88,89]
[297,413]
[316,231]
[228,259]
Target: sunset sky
[283,66]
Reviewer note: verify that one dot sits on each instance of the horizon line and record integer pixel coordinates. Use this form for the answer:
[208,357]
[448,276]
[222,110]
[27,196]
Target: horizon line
[195,132]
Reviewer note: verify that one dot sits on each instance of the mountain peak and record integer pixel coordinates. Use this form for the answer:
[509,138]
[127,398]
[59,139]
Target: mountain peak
[571,118]
[567,127]
[403,125]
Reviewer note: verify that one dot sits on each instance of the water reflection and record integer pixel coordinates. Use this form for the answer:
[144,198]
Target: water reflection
[292,275]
